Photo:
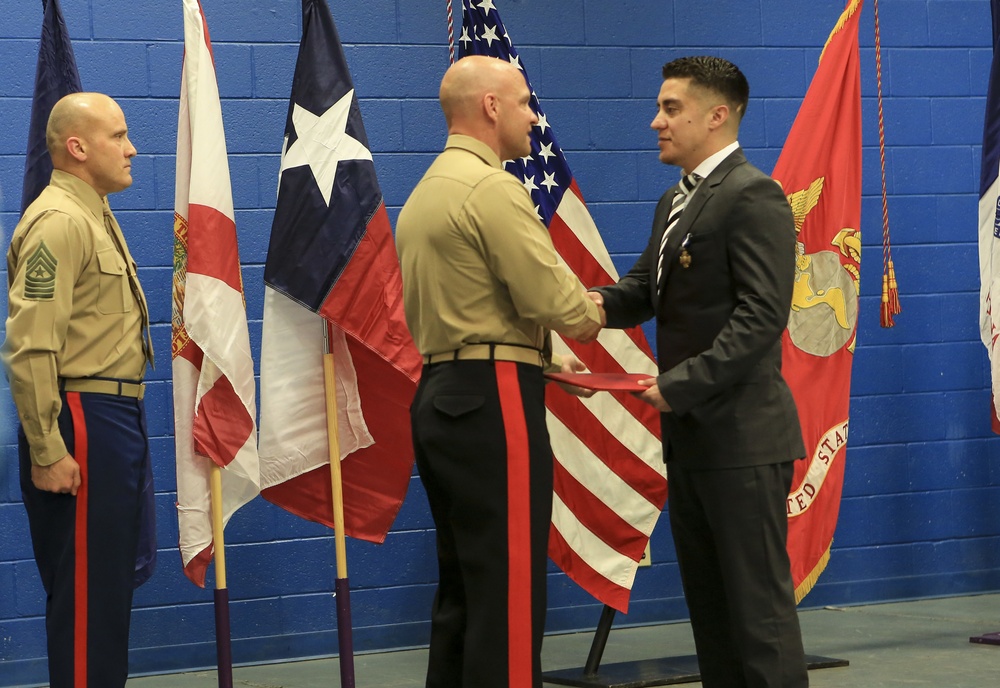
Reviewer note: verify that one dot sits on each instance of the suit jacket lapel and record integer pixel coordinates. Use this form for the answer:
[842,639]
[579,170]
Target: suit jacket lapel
[685,224]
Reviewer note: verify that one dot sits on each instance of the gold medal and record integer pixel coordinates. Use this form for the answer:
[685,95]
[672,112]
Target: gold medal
[685,259]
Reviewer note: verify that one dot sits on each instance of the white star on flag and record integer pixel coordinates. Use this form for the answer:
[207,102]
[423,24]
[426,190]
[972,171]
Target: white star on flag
[543,123]
[487,5]
[516,61]
[464,38]
[546,151]
[322,143]
[529,184]
[549,181]
[490,35]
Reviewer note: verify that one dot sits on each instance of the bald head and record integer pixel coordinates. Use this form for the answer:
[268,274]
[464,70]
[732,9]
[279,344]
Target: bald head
[487,98]
[74,115]
[87,137]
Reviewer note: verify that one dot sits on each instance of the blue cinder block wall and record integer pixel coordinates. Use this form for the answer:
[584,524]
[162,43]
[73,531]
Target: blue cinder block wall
[922,493]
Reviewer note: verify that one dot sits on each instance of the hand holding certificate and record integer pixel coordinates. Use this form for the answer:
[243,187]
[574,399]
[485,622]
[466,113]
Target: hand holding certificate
[603,382]
[639,384]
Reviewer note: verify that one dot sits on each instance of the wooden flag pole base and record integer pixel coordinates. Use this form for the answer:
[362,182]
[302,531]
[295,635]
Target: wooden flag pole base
[223,638]
[647,672]
[342,588]
[986,639]
[223,643]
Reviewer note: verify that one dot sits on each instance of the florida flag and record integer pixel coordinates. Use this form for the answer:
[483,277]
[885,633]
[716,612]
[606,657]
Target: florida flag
[610,482]
[332,274]
[214,397]
[989,223]
[820,171]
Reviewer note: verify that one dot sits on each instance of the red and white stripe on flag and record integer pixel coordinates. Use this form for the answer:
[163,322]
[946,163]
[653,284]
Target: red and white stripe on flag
[213,376]
[610,481]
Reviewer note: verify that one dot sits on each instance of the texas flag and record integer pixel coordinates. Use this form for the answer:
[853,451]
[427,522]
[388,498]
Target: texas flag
[332,283]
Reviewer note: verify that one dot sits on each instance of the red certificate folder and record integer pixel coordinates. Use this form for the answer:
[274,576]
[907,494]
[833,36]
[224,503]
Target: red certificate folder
[603,382]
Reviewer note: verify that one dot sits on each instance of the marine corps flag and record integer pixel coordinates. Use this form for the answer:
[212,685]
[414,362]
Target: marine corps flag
[820,172]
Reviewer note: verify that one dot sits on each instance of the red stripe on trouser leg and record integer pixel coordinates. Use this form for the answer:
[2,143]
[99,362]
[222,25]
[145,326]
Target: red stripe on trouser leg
[80,586]
[519,588]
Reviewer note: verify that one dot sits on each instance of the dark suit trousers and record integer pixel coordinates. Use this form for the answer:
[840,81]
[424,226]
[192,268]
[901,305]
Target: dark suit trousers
[85,546]
[482,451]
[730,529]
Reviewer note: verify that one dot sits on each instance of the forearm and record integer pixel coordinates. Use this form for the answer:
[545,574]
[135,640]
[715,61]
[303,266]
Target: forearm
[34,386]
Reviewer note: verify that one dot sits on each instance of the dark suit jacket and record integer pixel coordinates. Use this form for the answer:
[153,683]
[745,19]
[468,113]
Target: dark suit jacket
[719,321]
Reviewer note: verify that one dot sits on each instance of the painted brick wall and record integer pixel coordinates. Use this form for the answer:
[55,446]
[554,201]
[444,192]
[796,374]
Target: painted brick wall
[923,480]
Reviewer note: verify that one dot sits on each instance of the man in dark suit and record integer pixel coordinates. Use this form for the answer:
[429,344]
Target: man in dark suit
[717,275]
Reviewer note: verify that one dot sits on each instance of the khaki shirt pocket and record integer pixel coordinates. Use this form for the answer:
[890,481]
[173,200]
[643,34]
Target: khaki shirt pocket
[113,289]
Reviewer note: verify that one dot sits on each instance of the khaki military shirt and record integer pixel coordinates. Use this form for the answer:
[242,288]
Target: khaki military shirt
[477,264]
[75,306]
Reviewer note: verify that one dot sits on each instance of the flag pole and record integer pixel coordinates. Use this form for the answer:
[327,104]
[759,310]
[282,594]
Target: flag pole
[342,588]
[223,643]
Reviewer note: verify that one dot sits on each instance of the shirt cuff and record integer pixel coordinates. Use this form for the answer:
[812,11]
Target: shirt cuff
[48,449]
[554,365]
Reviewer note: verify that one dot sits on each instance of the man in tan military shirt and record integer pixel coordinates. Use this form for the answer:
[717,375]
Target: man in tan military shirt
[482,288]
[76,352]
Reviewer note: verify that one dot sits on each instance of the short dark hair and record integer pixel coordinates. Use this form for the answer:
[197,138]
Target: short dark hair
[715,74]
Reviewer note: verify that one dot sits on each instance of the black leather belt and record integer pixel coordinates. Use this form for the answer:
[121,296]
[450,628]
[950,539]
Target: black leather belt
[489,352]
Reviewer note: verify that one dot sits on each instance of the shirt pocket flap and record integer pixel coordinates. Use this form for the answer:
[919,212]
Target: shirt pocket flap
[109,262]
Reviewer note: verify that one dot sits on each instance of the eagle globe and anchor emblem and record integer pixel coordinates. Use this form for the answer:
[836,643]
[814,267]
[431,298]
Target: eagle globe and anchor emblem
[822,321]
[825,296]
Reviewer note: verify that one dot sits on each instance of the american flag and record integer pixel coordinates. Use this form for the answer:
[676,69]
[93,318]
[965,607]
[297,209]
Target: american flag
[610,481]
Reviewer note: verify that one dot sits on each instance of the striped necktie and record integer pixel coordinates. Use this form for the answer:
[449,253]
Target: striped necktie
[687,186]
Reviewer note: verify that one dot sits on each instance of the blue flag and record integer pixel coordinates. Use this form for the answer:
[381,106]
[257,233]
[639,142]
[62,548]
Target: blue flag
[55,77]
[989,223]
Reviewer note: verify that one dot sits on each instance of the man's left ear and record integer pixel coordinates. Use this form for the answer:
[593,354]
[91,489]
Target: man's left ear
[720,115]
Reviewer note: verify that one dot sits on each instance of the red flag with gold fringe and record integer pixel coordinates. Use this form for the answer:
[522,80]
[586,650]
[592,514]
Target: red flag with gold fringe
[820,172]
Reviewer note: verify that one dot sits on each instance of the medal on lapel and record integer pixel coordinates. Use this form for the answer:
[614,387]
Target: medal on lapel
[685,259]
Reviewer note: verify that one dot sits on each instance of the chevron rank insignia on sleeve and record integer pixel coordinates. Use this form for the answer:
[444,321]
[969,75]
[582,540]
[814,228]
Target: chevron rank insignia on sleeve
[40,275]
